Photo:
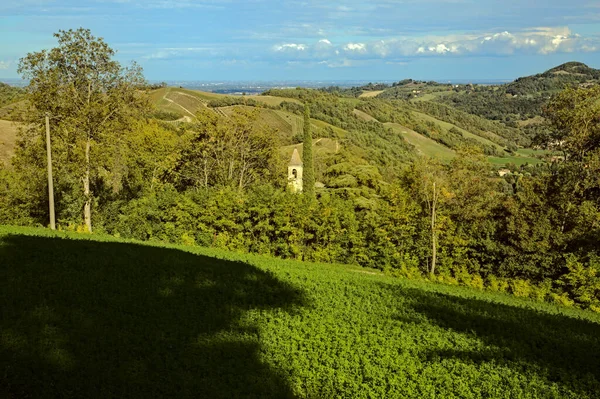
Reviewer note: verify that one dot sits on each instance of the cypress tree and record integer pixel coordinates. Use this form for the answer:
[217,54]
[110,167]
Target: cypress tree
[307,156]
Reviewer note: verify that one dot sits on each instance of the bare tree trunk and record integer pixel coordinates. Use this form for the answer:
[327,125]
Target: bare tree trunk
[241,182]
[433,233]
[87,208]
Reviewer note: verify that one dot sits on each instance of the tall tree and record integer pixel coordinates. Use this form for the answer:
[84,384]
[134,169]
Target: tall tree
[89,96]
[307,156]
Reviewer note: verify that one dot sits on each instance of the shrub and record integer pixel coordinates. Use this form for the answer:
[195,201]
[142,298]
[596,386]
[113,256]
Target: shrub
[519,287]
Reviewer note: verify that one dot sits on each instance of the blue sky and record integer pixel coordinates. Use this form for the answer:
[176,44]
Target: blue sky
[316,40]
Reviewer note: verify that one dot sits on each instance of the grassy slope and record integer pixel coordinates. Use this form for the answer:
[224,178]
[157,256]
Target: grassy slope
[178,95]
[432,95]
[8,138]
[424,145]
[363,115]
[447,126]
[371,93]
[322,148]
[101,318]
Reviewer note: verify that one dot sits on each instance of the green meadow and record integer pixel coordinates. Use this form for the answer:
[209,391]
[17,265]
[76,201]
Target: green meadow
[88,316]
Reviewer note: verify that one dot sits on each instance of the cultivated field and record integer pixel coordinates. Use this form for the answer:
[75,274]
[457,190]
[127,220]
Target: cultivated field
[95,317]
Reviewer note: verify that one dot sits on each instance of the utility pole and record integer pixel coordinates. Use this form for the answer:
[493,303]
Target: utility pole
[50,183]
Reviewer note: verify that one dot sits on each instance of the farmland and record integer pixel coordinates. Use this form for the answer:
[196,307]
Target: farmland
[94,316]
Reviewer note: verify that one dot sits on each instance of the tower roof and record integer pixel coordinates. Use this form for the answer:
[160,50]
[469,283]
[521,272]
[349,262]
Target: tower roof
[296,160]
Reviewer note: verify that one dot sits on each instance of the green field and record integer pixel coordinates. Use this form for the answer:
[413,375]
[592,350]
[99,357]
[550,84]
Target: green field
[92,317]
[363,115]
[433,95]
[424,145]
[447,126]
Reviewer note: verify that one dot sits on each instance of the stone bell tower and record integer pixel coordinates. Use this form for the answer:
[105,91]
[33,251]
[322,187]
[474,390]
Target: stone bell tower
[295,173]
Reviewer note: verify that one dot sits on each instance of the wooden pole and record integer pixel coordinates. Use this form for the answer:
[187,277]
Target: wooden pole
[50,183]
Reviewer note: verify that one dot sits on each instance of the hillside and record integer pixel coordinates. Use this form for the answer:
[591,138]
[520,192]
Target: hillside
[334,117]
[8,138]
[519,104]
[10,94]
[92,316]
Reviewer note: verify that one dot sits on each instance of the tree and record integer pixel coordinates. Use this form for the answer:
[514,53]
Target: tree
[574,115]
[307,156]
[238,151]
[90,97]
[429,183]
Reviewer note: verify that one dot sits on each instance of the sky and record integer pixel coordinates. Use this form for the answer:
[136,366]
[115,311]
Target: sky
[264,40]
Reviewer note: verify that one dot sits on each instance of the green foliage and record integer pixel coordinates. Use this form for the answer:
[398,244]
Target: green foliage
[10,94]
[91,100]
[307,156]
[525,98]
[583,281]
[219,181]
[221,325]
[238,151]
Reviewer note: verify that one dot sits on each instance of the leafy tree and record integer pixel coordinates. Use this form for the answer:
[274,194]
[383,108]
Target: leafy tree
[236,152]
[307,156]
[90,97]
[574,115]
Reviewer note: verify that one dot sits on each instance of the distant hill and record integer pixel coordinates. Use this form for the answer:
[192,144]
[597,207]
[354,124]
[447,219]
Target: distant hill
[519,104]
[555,79]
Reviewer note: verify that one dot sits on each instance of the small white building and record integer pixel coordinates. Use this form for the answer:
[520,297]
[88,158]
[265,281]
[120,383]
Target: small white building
[295,169]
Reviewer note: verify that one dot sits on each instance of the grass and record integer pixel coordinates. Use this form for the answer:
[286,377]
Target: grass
[178,94]
[363,115]
[370,93]
[323,147]
[447,126]
[424,145]
[517,160]
[432,95]
[91,316]
[8,139]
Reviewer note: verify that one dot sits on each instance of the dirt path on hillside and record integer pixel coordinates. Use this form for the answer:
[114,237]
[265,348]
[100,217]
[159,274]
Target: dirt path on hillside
[179,105]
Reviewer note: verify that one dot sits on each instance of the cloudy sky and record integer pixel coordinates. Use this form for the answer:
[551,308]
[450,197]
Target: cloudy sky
[316,39]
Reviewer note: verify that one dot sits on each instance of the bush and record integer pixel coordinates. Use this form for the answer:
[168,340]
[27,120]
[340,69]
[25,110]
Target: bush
[521,288]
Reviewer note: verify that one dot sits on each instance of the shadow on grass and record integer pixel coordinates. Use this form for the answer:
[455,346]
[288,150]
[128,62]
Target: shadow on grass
[99,319]
[560,349]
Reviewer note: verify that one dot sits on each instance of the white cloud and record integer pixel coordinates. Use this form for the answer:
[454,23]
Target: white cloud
[358,47]
[290,46]
[4,65]
[541,40]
